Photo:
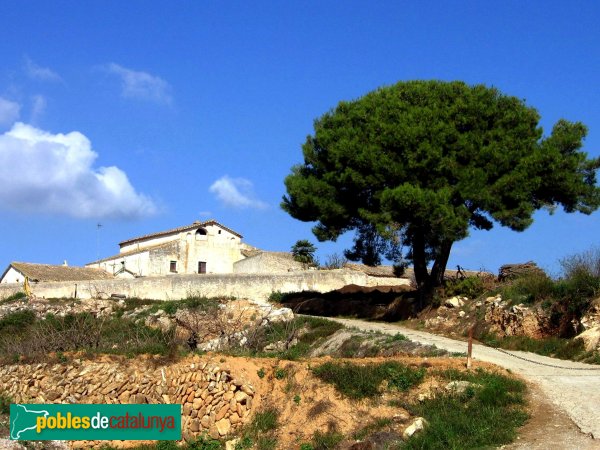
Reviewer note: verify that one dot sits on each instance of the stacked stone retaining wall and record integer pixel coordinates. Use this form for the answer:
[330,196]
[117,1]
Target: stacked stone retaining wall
[212,399]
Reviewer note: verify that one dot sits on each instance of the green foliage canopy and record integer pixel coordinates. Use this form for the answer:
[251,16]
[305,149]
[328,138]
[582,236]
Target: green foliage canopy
[303,251]
[423,161]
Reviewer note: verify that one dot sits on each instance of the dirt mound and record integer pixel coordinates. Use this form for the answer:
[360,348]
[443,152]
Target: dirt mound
[389,303]
[356,289]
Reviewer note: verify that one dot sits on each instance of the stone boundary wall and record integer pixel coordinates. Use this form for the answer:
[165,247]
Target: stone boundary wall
[213,400]
[252,286]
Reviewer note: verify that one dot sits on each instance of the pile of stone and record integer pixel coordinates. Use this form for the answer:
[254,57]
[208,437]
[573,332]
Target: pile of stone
[512,271]
[213,400]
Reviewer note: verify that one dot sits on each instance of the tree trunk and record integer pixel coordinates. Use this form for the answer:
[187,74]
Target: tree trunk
[428,282]
[439,266]
[419,259]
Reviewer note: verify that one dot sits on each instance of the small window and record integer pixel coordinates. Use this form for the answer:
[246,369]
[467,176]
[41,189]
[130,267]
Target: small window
[219,231]
[173,266]
[201,267]
[201,234]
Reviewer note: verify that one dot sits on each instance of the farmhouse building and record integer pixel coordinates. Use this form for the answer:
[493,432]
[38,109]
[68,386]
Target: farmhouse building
[18,271]
[201,247]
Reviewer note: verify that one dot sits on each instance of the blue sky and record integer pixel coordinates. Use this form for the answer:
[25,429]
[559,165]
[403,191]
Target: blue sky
[147,115]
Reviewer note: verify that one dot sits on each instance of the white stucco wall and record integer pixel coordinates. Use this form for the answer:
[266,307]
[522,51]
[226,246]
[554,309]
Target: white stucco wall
[251,286]
[138,264]
[219,249]
[13,276]
[267,263]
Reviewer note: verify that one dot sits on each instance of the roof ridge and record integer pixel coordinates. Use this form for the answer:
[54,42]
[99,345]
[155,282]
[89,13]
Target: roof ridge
[179,229]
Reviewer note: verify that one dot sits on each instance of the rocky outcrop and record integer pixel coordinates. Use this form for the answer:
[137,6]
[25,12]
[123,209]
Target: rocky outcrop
[455,302]
[591,338]
[591,319]
[516,320]
[214,400]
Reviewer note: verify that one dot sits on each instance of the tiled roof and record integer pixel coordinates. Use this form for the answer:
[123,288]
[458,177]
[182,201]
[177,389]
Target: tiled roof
[179,230]
[47,272]
[132,252]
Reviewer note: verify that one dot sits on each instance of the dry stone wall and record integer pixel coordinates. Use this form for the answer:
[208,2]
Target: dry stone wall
[213,400]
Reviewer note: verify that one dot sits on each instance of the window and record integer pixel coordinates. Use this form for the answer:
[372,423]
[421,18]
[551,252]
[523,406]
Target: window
[201,234]
[173,266]
[201,267]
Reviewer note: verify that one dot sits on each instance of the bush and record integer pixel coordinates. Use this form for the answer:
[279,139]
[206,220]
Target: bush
[471,287]
[16,321]
[530,288]
[22,335]
[5,401]
[334,261]
[14,297]
[364,381]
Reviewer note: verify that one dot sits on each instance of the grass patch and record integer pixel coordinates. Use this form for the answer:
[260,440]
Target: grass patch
[260,433]
[555,347]
[478,418]
[364,381]
[326,441]
[372,427]
[200,443]
[264,421]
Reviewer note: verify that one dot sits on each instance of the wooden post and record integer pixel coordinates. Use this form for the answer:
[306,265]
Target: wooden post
[470,349]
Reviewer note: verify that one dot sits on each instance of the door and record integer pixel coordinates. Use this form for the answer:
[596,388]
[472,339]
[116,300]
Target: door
[201,267]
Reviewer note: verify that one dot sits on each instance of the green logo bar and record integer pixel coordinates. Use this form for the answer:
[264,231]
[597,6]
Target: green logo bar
[79,422]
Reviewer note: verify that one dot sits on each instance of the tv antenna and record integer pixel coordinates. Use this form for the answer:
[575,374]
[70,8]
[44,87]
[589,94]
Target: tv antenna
[98,226]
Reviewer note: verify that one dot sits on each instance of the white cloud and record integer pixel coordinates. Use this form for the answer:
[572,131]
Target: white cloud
[9,111]
[38,107]
[40,73]
[141,85]
[236,193]
[53,173]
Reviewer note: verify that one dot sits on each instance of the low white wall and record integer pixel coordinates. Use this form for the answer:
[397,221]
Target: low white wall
[251,286]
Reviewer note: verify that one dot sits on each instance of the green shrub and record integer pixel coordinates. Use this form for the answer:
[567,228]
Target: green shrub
[5,401]
[277,297]
[530,288]
[471,287]
[14,297]
[16,321]
[364,381]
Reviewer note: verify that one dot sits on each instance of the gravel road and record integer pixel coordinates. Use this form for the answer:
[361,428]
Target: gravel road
[577,392]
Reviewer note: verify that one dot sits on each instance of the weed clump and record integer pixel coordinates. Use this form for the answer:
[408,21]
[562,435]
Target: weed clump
[364,381]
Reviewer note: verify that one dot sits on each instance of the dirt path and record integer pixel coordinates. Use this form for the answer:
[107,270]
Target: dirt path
[576,392]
